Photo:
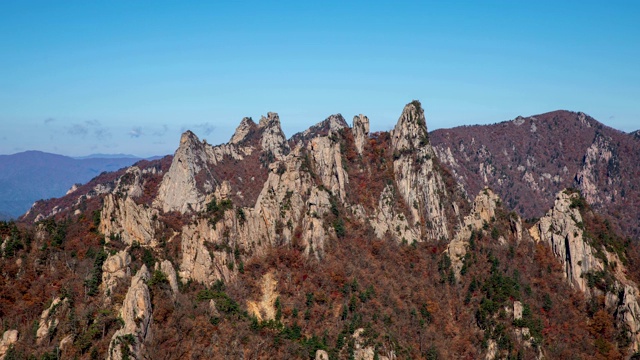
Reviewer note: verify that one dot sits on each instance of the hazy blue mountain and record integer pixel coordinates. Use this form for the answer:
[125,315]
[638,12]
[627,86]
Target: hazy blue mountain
[107,156]
[33,175]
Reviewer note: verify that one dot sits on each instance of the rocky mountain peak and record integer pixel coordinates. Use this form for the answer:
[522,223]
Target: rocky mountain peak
[333,123]
[178,189]
[242,131]
[411,130]
[188,138]
[336,122]
[360,131]
[273,139]
[271,118]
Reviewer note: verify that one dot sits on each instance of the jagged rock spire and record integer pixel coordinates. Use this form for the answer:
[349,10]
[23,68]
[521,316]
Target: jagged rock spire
[273,138]
[333,123]
[360,131]
[411,130]
[246,125]
[178,189]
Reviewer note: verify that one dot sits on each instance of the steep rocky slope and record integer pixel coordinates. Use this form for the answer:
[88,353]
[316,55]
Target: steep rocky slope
[335,243]
[594,267]
[529,159]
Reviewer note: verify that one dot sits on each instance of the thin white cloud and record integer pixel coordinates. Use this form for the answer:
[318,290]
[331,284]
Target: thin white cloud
[136,132]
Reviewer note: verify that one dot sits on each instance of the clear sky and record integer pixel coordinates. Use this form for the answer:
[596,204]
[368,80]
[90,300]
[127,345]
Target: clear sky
[82,77]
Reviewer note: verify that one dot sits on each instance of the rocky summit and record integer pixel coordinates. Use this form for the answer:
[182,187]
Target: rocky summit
[339,243]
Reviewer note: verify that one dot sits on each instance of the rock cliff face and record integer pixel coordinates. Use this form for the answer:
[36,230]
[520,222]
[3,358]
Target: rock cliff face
[360,131]
[114,269]
[562,230]
[420,185]
[331,124]
[48,320]
[600,165]
[290,198]
[121,217]
[9,338]
[273,140]
[136,315]
[389,220]
[226,221]
[199,168]
[167,268]
[179,190]
[483,211]
[304,185]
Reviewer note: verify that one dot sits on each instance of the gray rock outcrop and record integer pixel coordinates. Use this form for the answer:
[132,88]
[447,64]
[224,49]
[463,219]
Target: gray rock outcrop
[273,139]
[360,129]
[48,321]
[122,217]
[301,188]
[178,190]
[115,268]
[562,229]
[9,338]
[483,210]
[191,176]
[420,185]
[599,154]
[388,220]
[362,352]
[322,355]
[167,268]
[136,315]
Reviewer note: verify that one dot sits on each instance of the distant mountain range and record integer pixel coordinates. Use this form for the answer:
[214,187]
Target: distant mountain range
[107,156]
[33,175]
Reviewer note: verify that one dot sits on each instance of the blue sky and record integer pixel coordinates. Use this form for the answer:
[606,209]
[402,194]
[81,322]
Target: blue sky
[129,76]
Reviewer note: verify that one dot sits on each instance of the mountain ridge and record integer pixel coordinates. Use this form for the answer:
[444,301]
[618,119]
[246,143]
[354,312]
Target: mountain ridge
[528,160]
[341,244]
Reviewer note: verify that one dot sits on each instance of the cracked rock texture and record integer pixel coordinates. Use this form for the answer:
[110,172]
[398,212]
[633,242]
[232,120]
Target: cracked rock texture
[420,185]
[561,229]
[136,315]
[9,338]
[483,210]
[48,320]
